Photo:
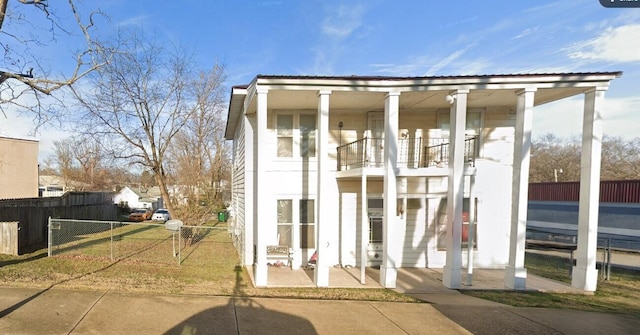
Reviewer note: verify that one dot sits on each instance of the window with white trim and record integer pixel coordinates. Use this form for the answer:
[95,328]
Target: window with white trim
[307,224]
[296,133]
[285,135]
[473,122]
[441,227]
[285,222]
[307,135]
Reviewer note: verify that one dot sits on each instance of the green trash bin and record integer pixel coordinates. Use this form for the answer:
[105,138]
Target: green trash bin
[222,217]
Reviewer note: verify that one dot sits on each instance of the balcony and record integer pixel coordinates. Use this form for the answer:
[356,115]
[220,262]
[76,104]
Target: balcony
[413,153]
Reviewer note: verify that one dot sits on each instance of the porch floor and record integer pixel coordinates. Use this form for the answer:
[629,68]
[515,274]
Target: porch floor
[413,281]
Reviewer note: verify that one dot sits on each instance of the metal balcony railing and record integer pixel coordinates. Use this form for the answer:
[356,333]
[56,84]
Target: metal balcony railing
[412,153]
[438,155]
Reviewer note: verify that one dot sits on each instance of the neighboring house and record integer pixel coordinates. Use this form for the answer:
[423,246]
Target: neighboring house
[400,172]
[18,168]
[56,186]
[139,197]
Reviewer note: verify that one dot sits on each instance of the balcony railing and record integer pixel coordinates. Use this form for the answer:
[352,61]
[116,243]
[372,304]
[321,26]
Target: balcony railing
[412,153]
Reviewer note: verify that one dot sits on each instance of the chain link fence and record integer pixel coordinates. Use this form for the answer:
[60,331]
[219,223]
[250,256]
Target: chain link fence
[136,242]
[553,253]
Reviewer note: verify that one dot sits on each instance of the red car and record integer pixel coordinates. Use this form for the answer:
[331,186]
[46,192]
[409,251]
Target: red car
[140,214]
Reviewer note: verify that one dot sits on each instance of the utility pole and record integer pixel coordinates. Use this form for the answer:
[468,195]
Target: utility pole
[555,174]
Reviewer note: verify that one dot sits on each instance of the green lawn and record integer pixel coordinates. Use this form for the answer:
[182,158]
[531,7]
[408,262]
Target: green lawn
[143,262]
[620,294]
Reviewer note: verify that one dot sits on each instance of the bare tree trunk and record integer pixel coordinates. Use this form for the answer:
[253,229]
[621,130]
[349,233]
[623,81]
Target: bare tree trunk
[3,11]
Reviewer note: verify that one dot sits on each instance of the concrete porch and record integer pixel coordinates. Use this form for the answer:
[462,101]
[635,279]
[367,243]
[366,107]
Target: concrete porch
[412,281]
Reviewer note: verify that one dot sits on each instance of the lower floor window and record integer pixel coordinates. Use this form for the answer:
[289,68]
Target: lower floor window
[285,221]
[307,224]
[304,218]
[441,227]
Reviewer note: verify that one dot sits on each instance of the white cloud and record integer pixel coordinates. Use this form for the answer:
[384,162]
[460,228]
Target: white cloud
[526,32]
[447,60]
[475,67]
[134,21]
[20,126]
[339,25]
[343,21]
[619,44]
[564,117]
[410,68]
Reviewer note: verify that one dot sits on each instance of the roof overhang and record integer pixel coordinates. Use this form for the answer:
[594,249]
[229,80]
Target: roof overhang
[416,92]
[236,107]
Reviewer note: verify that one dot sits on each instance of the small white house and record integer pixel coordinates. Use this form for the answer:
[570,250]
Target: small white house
[139,198]
[400,171]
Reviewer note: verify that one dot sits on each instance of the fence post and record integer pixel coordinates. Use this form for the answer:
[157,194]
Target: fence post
[179,245]
[49,237]
[111,231]
[603,273]
[609,258]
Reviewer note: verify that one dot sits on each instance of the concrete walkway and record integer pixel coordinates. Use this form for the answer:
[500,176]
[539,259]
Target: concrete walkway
[481,316]
[58,311]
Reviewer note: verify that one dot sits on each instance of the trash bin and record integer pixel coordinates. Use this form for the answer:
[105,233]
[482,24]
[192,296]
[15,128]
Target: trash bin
[222,217]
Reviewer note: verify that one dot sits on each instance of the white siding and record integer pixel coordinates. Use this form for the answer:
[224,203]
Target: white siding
[295,178]
[239,193]
[416,234]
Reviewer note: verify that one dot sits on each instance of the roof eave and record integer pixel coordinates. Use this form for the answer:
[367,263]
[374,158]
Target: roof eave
[236,106]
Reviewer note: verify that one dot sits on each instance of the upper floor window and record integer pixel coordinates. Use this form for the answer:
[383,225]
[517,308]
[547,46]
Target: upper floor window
[307,135]
[285,135]
[296,134]
[473,122]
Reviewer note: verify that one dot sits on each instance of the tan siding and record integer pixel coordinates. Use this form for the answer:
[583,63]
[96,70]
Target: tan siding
[18,168]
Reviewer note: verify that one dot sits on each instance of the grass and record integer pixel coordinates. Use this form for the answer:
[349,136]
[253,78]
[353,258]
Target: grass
[143,262]
[620,294]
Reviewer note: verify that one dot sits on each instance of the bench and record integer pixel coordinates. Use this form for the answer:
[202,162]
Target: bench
[279,253]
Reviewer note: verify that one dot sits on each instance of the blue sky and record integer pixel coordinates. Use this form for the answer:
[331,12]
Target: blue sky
[401,38]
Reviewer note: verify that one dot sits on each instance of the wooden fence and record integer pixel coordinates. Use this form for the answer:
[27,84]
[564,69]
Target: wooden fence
[32,215]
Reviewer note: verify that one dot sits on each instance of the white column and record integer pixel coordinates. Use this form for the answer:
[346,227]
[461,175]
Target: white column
[364,233]
[471,232]
[585,275]
[451,275]
[323,206]
[296,256]
[262,198]
[515,275]
[249,187]
[391,242]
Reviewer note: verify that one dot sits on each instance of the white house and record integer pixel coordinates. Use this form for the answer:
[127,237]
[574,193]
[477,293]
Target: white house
[400,171]
[139,198]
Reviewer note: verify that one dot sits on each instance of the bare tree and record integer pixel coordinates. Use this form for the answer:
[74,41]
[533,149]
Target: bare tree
[550,155]
[63,157]
[25,81]
[556,158]
[200,145]
[138,102]
[620,158]
[81,163]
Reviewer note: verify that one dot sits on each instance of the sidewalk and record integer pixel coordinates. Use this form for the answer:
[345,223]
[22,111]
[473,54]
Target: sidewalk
[57,311]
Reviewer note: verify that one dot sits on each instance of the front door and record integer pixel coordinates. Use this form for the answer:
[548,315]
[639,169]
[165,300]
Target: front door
[374,245]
